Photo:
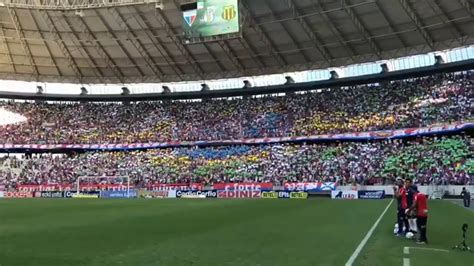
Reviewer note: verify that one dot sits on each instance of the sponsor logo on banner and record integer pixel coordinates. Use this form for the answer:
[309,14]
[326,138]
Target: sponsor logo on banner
[243,186]
[50,194]
[230,194]
[196,193]
[176,186]
[119,194]
[66,187]
[19,194]
[284,194]
[68,194]
[50,187]
[192,196]
[142,193]
[371,194]
[269,195]
[1,194]
[310,186]
[85,196]
[346,194]
[299,195]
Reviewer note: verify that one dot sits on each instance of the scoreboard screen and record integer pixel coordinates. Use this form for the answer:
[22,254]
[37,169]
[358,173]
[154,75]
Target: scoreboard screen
[207,18]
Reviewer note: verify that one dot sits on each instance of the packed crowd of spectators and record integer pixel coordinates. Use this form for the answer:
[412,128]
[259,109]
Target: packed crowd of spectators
[409,103]
[446,160]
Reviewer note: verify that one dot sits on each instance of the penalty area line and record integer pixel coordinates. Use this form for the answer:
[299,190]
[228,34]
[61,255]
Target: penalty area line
[367,236]
[429,249]
[406,252]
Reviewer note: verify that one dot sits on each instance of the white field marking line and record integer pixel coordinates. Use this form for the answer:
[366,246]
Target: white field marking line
[366,238]
[406,251]
[429,249]
[406,262]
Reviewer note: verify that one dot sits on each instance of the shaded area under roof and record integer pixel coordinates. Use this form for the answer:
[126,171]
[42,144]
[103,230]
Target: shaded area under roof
[139,43]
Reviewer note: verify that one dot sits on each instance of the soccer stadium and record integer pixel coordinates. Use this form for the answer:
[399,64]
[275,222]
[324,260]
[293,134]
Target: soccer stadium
[236,132]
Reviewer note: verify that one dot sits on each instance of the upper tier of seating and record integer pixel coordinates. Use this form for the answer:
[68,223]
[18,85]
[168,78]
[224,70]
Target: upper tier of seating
[410,103]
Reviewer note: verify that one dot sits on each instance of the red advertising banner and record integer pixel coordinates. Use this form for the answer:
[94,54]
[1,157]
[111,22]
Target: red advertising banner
[103,187]
[113,187]
[239,194]
[68,187]
[20,194]
[45,187]
[176,186]
[243,186]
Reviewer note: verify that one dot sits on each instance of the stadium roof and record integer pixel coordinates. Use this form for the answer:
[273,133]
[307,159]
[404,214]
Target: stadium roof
[134,41]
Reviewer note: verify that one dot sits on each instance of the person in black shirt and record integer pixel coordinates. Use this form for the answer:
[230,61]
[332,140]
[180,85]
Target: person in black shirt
[466,197]
[410,216]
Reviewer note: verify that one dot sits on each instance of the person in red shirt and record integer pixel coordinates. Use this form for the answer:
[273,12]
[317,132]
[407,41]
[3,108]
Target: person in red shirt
[420,206]
[401,194]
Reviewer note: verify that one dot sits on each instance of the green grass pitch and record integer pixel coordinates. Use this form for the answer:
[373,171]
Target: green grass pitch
[218,232]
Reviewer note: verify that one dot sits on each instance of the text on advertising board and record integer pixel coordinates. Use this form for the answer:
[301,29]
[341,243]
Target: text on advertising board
[19,194]
[299,195]
[238,194]
[243,186]
[176,186]
[344,194]
[119,194]
[310,186]
[371,194]
[269,195]
[205,193]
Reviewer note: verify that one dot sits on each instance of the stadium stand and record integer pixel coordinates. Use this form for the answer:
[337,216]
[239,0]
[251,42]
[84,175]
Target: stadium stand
[414,103]
[403,104]
[441,161]
[144,124]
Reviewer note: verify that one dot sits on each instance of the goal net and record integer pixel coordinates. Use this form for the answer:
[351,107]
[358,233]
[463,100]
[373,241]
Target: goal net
[88,183]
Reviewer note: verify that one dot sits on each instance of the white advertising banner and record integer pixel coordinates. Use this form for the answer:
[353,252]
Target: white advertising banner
[344,194]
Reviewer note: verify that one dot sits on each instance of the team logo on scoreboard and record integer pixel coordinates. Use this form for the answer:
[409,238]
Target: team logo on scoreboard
[229,12]
[190,16]
[208,16]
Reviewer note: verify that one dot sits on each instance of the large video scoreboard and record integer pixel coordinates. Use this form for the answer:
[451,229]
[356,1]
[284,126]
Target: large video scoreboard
[207,18]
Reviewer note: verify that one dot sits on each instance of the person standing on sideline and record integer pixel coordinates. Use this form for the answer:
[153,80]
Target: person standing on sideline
[466,197]
[401,196]
[420,206]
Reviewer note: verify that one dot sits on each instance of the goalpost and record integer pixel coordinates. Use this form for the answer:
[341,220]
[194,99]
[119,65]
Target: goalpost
[122,177]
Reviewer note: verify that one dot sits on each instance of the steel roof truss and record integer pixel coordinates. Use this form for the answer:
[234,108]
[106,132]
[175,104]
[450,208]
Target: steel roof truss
[101,51]
[21,37]
[262,35]
[136,42]
[416,20]
[47,19]
[361,28]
